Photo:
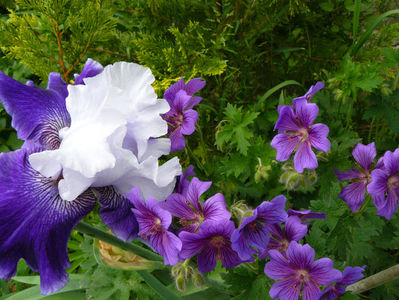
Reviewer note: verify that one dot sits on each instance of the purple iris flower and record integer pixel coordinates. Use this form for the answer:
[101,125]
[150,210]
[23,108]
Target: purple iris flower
[211,242]
[153,225]
[296,132]
[353,193]
[350,276]
[281,238]
[298,273]
[306,214]
[35,219]
[310,93]
[253,230]
[384,185]
[181,116]
[193,212]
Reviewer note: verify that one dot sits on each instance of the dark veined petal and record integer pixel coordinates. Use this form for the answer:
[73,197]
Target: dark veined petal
[215,208]
[294,229]
[170,93]
[182,100]
[287,289]
[35,223]
[287,120]
[364,154]
[240,241]
[353,195]
[348,174]
[378,184]
[177,140]
[176,204]
[37,114]
[168,245]
[301,256]
[284,143]
[306,113]
[192,244]
[391,204]
[351,275]
[229,257]
[322,271]
[304,158]
[310,291]
[190,117]
[279,267]
[318,137]
[183,180]
[116,213]
[271,212]
[195,190]
[194,85]
[207,259]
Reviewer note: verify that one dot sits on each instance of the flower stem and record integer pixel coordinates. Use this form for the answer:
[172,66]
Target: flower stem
[162,290]
[375,280]
[110,239]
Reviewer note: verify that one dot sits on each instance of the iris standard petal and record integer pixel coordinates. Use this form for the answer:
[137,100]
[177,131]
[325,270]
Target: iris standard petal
[37,114]
[90,69]
[304,158]
[353,195]
[364,154]
[35,223]
[116,213]
[318,137]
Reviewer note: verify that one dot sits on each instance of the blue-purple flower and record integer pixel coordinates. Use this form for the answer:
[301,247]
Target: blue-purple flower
[350,276]
[191,211]
[306,214]
[281,238]
[296,132]
[82,142]
[360,177]
[181,116]
[298,274]
[384,185]
[211,242]
[253,232]
[153,225]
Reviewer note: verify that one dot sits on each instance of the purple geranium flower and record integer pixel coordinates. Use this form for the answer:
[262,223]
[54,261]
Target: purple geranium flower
[298,273]
[253,230]
[350,276]
[153,225]
[310,93]
[353,193]
[212,242]
[281,238]
[384,185]
[193,212]
[182,117]
[296,132]
[306,214]
[183,183]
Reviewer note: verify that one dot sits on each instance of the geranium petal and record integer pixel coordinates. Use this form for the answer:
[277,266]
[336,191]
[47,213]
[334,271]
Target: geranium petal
[177,139]
[215,208]
[301,256]
[195,190]
[294,229]
[229,257]
[378,184]
[194,85]
[310,291]
[348,174]
[287,120]
[35,223]
[351,275]
[190,117]
[304,158]
[353,195]
[278,267]
[168,245]
[207,259]
[391,204]
[171,92]
[287,289]
[192,244]
[306,113]
[364,154]
[322,271]
[318,137]
[176,204]
[284,144]
[273,211]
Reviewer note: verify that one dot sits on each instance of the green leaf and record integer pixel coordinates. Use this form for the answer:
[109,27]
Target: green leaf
[36,279]
[327,6]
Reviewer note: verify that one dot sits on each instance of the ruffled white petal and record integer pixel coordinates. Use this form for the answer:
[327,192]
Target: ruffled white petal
[115,122]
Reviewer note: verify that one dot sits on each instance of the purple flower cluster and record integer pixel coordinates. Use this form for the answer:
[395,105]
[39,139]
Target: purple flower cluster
[381,182]
[296,132]
[181,117]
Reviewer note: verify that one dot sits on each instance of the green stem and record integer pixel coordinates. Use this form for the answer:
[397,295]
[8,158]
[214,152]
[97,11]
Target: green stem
[371,129]
[365,205]
[110,239]
[162,290]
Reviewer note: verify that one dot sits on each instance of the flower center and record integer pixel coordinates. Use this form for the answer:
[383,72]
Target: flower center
[217,241]
[302,275]
[393,182]
[303,133]
[284,245]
